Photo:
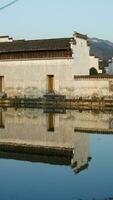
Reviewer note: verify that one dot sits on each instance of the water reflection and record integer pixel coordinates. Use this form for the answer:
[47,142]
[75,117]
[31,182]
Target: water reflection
[54,136]
[62,141]
[2,119]
[51,122]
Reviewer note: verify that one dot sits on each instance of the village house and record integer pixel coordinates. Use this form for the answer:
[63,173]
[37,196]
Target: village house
[63,66]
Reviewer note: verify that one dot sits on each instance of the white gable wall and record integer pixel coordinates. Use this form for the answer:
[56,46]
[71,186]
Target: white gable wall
[94,63]
[81,62]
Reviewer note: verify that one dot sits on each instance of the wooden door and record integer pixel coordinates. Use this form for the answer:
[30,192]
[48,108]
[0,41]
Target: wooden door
[51,83]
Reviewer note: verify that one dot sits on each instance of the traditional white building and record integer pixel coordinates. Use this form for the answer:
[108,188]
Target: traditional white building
[33,68]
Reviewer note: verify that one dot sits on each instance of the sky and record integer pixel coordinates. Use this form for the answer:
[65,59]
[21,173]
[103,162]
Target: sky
[33,19]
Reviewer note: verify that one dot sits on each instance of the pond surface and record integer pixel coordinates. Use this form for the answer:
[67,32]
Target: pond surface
[71,164]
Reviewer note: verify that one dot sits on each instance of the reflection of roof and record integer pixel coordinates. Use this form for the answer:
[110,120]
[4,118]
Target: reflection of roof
[35,45]
[82,36]
[82,167]
[94,130]
[51,155]
[55,160]
[35,149]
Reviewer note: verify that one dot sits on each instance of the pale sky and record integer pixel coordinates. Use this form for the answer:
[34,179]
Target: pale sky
[33,19]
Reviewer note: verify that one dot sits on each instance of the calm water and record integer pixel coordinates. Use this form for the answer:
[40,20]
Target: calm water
[85,172]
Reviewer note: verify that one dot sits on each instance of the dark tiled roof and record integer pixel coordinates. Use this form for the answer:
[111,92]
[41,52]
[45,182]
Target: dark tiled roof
[4,36]
[35,45]
[98,76]
[79,35]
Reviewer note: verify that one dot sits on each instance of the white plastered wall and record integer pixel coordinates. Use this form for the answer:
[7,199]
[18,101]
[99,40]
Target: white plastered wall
[30,77]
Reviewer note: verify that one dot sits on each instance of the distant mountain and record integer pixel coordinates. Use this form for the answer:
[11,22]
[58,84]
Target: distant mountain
[102,49]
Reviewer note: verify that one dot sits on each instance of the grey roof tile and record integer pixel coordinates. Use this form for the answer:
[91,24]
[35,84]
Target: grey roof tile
[35,45]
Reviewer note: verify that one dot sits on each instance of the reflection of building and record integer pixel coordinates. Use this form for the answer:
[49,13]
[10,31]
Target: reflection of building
[81,155]
[51,135]
[51,138]
[51,122]
[2,120]
[91,122]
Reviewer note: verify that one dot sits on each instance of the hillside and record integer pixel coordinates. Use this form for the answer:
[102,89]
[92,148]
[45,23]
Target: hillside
[101,48]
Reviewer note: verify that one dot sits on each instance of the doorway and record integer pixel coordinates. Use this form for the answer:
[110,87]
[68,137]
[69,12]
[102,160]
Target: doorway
[93,71]
[51,84]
